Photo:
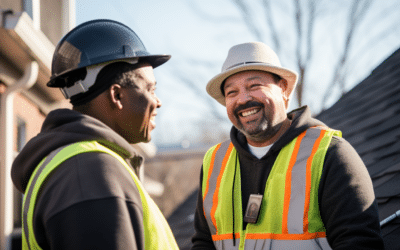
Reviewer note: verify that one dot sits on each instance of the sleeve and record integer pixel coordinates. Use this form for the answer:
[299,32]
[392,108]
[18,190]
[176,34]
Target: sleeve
[202,236]
[347,200]
[90,202]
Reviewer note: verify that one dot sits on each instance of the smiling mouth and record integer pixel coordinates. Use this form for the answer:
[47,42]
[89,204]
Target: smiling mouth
[250,112]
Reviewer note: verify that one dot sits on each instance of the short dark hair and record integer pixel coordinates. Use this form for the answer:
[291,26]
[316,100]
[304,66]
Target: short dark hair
[121,73]
[276,77]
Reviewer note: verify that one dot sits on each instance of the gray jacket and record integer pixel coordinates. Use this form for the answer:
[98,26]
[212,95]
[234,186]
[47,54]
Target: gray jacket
[90,201]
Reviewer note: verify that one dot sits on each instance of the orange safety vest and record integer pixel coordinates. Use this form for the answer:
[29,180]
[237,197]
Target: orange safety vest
[289,216]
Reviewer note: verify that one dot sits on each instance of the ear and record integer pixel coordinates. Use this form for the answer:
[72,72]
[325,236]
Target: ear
[284,84]
[116,95]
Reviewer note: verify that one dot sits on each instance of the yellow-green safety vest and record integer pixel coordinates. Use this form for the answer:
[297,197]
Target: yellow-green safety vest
[289,216]
[157,233]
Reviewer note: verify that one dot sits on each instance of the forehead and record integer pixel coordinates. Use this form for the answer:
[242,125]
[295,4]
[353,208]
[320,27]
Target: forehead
[144,75]
[247,76]
[146,72]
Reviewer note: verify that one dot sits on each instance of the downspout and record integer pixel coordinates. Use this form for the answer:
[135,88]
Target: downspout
[7,152]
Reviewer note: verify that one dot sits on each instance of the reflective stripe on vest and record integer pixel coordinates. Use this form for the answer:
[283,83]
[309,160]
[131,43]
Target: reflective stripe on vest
[157,233]
[289,213]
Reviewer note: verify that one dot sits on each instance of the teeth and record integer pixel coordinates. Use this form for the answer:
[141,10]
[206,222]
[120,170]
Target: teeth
[247,113]
[153,118]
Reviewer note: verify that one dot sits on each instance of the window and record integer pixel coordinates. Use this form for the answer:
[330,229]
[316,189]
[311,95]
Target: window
[27,6]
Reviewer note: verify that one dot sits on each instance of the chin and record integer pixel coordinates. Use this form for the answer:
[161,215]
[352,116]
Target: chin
[137,140]
[146,140]
[137,137]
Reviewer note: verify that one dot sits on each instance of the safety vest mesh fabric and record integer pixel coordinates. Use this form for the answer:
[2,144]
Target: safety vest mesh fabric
[289,215]
[157,233]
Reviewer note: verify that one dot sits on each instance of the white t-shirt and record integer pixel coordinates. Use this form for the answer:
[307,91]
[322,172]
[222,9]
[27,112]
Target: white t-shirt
[259,152]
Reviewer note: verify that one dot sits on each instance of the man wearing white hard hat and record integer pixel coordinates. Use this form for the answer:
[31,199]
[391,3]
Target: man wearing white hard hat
[283,180]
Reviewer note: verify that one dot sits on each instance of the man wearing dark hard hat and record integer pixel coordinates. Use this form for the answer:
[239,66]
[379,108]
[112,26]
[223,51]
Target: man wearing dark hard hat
[79,175]
[283,180]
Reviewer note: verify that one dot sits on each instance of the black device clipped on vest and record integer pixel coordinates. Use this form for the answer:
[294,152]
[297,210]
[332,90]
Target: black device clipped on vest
[253,208]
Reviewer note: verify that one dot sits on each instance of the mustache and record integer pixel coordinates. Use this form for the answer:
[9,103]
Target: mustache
[248,105]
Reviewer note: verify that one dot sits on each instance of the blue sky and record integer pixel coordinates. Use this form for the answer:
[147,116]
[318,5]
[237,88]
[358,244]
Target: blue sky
[198,35]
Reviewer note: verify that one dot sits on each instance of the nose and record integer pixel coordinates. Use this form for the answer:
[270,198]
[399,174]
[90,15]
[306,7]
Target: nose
[243,97]
[159,103]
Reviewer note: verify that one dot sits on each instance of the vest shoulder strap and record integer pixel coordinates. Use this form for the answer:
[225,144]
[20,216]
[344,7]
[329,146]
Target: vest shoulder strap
[157,235]
[299,164]
[42,171]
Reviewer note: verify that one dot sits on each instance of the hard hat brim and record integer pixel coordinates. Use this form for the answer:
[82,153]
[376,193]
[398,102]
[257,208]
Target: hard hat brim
[153,60]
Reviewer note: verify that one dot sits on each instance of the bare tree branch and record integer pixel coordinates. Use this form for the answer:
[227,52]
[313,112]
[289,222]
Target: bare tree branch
[272,26]
[299,31]
[384,31]
[307,14]
[310,31]
[373,42]
[299,46]
[304,60]
[356,15]
[188,81]
[212,18]
[247,17]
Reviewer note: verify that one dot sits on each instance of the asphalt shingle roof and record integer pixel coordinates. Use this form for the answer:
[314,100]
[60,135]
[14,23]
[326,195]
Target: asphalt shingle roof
[369,118]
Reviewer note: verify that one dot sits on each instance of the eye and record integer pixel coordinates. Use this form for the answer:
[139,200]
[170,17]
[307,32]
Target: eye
[230,92]
[254,85]
[151,88]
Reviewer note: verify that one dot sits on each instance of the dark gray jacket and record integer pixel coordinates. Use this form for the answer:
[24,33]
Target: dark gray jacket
[90,201]
[346,196]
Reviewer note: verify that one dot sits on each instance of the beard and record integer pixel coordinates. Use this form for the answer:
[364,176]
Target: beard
[263,131]
[258,131]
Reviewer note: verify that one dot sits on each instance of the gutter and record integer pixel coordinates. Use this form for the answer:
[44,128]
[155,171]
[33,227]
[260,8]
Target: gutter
[7,153]
[20,27]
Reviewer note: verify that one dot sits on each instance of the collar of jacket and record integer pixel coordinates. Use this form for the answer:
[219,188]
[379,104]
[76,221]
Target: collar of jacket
[301,121]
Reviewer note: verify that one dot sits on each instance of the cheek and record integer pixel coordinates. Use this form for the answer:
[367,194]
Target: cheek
[142,103]
[148,105]
[273,96]
[137,111]
[151,105]
[230,111]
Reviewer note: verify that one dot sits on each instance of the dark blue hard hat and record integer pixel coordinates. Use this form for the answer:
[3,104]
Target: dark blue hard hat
[95,42]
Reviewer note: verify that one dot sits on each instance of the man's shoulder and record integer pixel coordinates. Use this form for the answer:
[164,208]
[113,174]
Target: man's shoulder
[217,146]
[98,169]
[88,177]
[342,156]
[340,143]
